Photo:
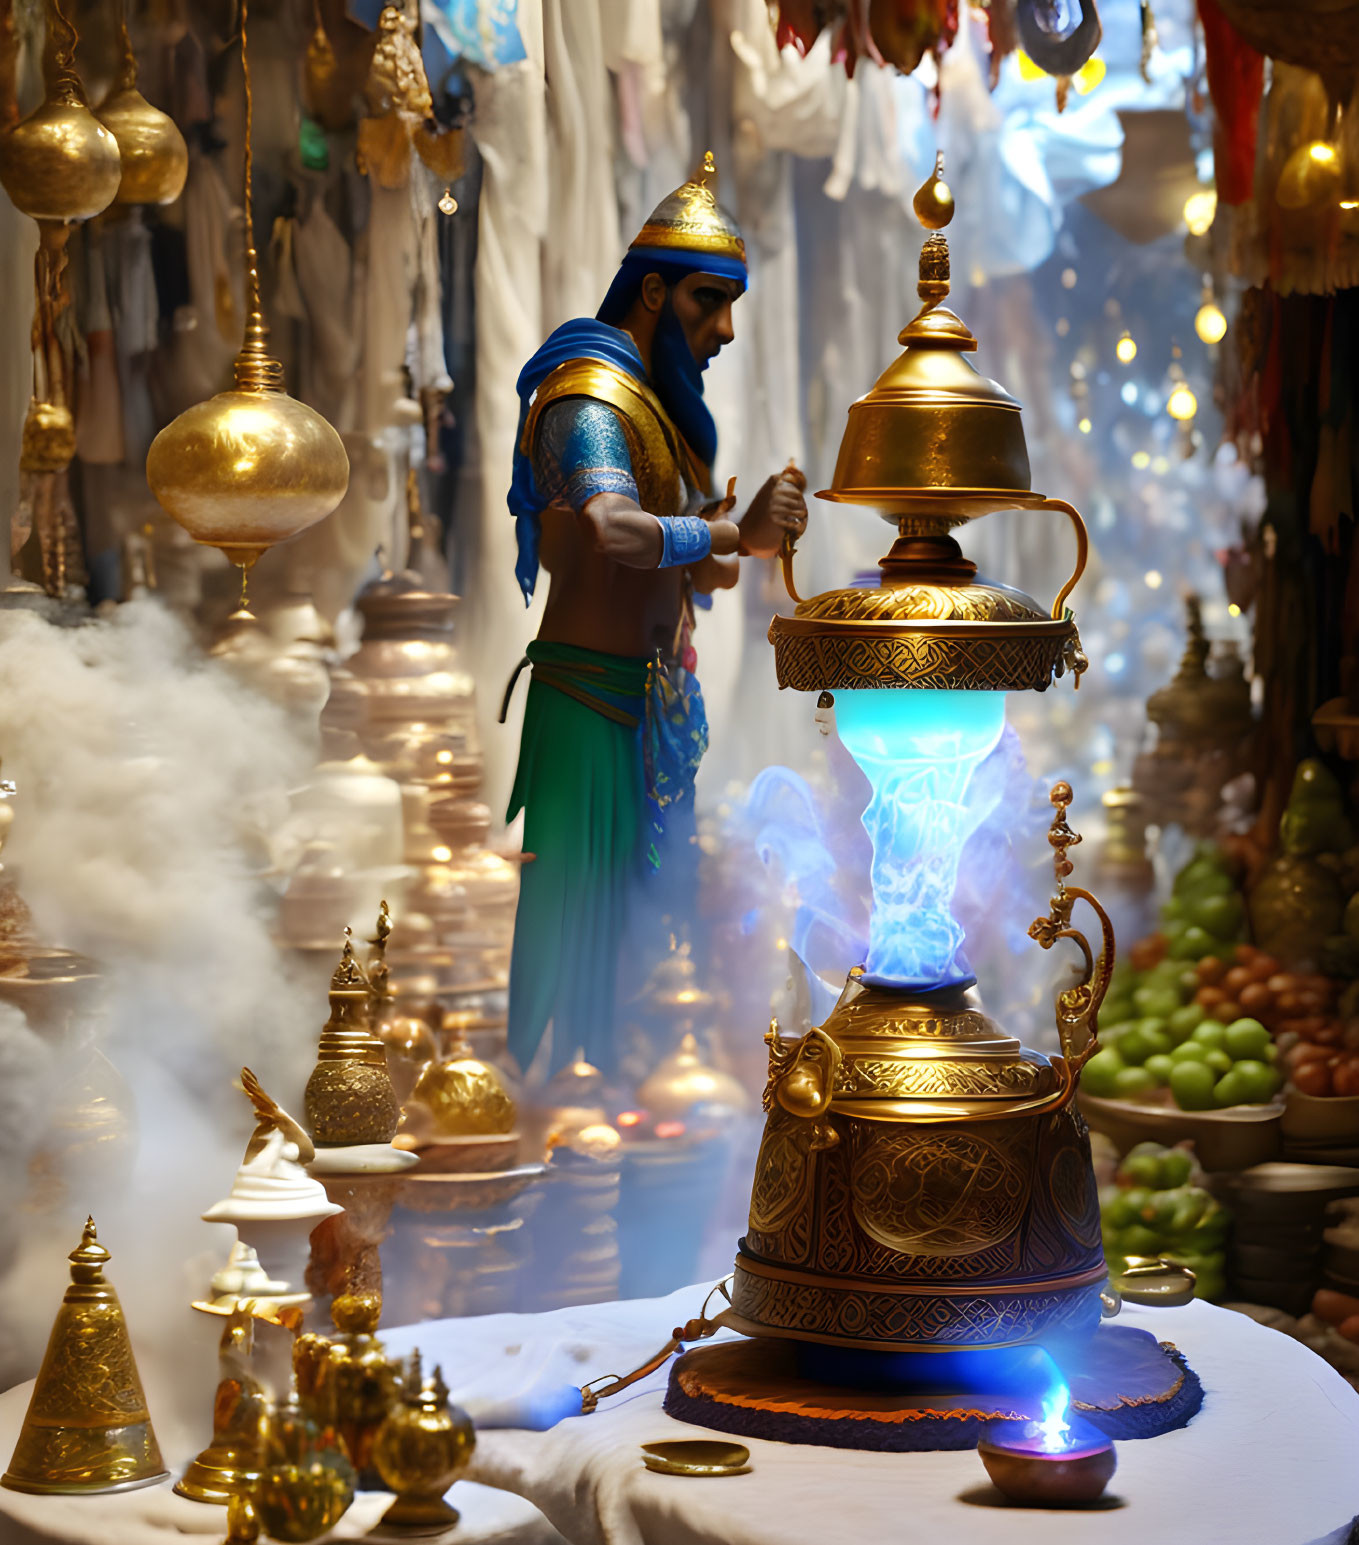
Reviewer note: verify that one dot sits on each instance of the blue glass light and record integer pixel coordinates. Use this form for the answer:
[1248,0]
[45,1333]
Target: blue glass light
[918,750]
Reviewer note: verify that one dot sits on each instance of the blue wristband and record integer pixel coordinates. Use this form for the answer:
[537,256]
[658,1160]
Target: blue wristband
[684,539]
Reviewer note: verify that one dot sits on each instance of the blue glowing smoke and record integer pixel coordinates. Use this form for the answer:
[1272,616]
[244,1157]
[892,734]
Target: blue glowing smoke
[919,750]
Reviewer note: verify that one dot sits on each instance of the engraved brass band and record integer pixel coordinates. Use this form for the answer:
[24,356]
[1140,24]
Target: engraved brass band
[878,1316]
[916,1077]
[950,637]
[818,654]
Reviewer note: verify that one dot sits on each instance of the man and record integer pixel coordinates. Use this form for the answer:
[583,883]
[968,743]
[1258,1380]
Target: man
[611,476]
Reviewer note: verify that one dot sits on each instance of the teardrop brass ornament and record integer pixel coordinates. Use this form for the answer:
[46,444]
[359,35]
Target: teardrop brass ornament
[251,466]
[87,1429]
[60,163]
[154,157]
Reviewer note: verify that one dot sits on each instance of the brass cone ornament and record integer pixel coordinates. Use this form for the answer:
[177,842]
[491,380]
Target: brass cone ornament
[154,157]
[60,163]
[251,466]
[87,1428]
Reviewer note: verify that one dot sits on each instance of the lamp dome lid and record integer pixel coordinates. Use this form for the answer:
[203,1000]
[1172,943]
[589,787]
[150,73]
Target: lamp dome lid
[933,427]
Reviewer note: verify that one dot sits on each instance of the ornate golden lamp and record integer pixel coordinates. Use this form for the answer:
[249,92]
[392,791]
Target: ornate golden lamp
[87,1428]
[924,1183]
[154,157]
[252,466]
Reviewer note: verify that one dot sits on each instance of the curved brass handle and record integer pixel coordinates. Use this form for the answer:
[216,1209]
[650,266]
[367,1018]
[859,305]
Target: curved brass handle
[1078,1006]
[786,551]
[1082,551]
[692,1330]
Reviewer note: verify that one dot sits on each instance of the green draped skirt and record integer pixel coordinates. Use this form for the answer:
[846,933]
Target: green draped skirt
[581,784]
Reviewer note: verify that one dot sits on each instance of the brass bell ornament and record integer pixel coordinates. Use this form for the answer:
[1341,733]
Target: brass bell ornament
[60,163]
[87,1429]
[153,155]
[251,466]
[924,1184]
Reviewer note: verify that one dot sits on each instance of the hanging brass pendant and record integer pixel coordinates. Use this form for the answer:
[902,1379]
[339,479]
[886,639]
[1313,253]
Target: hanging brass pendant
[251,466]
[87,1428]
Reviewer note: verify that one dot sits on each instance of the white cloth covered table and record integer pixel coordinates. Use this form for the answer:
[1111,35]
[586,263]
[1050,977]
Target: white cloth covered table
[1272,1459]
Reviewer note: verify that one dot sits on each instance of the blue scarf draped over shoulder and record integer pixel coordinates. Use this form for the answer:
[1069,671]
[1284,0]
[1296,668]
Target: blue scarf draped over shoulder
[584,338]
[679,382]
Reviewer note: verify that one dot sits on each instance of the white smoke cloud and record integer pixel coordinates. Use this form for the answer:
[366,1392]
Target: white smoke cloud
[148,780]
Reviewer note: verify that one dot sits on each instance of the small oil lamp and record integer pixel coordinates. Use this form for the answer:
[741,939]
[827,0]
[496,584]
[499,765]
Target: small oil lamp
[1058,1460]
[924,1206]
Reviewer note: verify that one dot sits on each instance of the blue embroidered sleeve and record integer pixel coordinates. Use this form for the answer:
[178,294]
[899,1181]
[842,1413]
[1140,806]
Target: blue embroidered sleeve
[580,450]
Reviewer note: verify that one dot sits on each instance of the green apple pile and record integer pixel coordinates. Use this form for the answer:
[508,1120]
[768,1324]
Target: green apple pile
[1155,1209]
[1205,914]
[1177,1047]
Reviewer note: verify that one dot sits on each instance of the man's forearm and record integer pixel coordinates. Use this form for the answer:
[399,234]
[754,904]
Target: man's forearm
[622,530]
[715,573]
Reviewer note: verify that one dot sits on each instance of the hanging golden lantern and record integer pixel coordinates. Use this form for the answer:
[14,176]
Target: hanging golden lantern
[60,163]
[252,466]
[155,159]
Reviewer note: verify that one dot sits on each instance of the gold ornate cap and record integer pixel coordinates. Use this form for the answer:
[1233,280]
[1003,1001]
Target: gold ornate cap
[933,425]
[87,1428]
[348,976]
[932,446]
[691,220]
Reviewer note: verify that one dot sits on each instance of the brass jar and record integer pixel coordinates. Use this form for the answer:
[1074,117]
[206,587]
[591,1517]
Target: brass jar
[420,701]
[423,1446]
[306,1483]
[350,1098]
[465,1096]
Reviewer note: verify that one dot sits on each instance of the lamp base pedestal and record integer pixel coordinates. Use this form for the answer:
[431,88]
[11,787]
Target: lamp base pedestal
[758,1388]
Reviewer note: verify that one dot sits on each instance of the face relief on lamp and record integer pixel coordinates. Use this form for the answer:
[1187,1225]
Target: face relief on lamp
[918,750]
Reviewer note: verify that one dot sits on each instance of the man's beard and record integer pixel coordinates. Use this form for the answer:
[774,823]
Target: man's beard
[678,379]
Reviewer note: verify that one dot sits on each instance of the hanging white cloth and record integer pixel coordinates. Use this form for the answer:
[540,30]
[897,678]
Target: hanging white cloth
[510,130]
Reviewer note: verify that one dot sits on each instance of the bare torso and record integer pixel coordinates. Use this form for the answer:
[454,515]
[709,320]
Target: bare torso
[597,603]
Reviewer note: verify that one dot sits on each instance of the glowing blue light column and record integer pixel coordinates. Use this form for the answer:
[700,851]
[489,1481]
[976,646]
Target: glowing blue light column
[918,750]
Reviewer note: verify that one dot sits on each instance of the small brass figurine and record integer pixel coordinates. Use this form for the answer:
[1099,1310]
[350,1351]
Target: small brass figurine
[230,1465]
[346,1382]
[350,1099]
[87,1428]
[423,1445]
[306,1484]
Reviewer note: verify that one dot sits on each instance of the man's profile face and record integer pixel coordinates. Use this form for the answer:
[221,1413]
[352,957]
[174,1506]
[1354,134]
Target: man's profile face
[702,304]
